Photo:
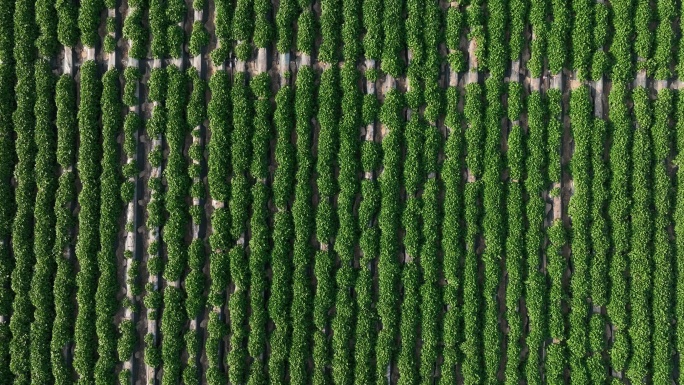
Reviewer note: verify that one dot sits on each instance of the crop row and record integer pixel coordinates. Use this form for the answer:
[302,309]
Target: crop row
[430,291]
[596,363]
[393,39]
[665,36]
[330,25]
[44,218]
[621,47]
[619,206]
[263,27]
[413,179]
[87,243]
[222,30]
[262,132]
[134,29]
[89,21]
[364,333]
[642,240]
[347,234]
[557,353]
[515,237]
[515,247]
[129,170]
[326,220]
[678,215]
[558,36]
[430,294]
[540,27]
[239,201]
[535,164]
[67,23]
[411,211]
[7,162]
[661,305]
[302,212]
[474,138]
[175,228]
[23,120]
[155,126]
[492,224]
[44,223]
[64,283]
[643,39]
[618,213]
[477,34]
[199,36]
[582,37]
[389,221]
[600,62]
[194,281]
[175,34]
[110,211]
[453,235]
[110,39]
[369,237]
[286,226]
[157,23]
[292,187]
[579,211]
[306,28]
[218,173]
[493,229]
[497,25]
[285,18]
[243,28]
[600,241]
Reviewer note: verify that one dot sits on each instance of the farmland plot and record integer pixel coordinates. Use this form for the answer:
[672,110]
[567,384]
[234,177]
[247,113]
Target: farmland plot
[341,192]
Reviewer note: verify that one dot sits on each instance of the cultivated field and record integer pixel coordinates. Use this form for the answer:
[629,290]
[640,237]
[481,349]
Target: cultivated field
[341,192]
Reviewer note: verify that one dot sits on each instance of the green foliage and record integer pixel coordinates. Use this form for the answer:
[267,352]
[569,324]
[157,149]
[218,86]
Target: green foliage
[621,47]
[44,224]
[46,19]
[218,171]
[87,242]
[64,283]
[535,210]
[581,37]
[389,222]
[110,211]
[239,207]
[302,213]
[661,304]
[135,31]
[347,233]
[199,38]
[640,327]
[540,28]
[453,235]
[178,183]
[261,138]
[285,18]
[89,21]
[393,30]
[579,211]
[664,39]
[643,43]
[558,36]
[372,14]
[67,22]
[158,22]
